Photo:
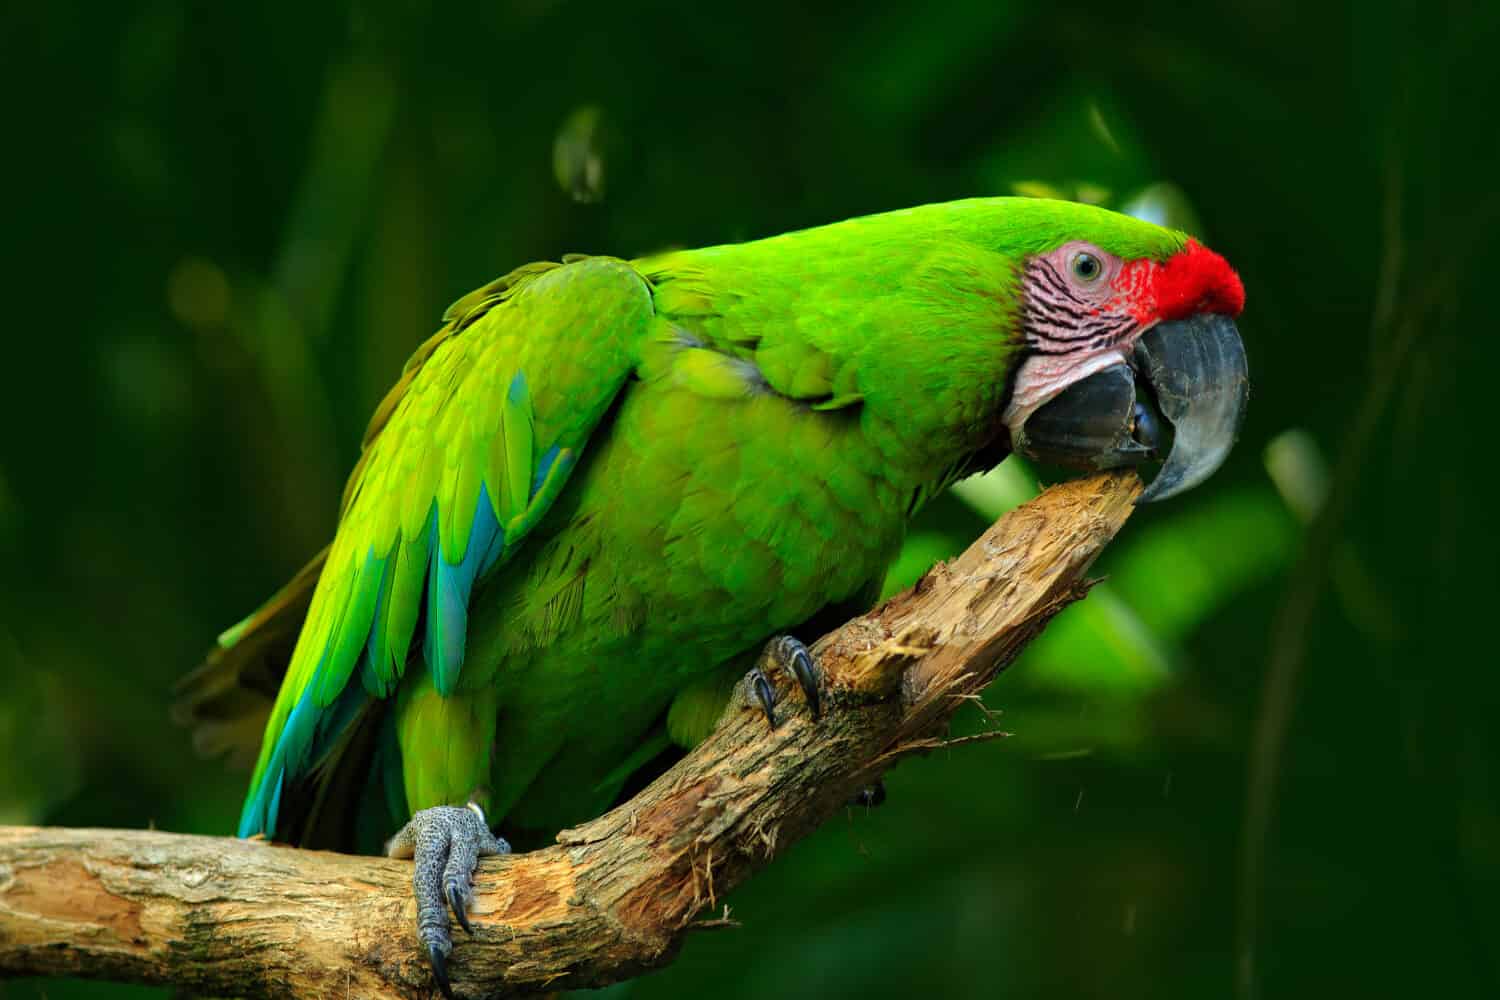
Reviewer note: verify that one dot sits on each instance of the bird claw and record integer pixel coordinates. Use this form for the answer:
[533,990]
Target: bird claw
[460,907]
[439,961]
[446,843]
[765,695]
[790,655]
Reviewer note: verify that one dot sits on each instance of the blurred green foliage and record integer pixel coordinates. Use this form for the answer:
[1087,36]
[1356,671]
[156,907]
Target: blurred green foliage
[1261,757]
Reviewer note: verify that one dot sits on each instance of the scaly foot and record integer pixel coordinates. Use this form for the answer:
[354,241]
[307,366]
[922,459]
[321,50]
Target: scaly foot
[788,654]
[447,843]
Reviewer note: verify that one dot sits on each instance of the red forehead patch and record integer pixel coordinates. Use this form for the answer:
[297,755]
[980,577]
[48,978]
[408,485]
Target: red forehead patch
[1194,280]
[1197,280]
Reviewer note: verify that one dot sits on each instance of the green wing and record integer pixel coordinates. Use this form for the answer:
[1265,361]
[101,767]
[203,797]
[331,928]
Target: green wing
[461,460]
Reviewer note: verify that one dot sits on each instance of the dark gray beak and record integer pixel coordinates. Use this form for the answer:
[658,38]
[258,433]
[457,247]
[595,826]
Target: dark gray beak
[1181,399]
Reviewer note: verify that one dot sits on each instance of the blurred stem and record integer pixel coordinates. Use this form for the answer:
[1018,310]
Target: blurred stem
[297,307]
[1392,342]
[349,142]
[1300,472]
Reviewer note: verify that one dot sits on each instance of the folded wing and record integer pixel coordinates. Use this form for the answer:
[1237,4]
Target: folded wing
[461,460]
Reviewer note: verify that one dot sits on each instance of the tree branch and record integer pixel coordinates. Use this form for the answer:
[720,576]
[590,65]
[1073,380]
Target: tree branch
[615,896]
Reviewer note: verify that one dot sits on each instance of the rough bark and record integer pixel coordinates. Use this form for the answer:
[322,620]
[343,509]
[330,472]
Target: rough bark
[615,896]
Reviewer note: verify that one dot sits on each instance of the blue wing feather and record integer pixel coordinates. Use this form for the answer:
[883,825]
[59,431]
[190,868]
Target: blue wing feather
[449,586]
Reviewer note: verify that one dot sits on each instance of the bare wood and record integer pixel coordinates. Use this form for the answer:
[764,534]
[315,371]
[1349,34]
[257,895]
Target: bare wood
[615,896]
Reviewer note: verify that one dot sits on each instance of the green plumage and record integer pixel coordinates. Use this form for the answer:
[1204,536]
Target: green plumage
[603,484]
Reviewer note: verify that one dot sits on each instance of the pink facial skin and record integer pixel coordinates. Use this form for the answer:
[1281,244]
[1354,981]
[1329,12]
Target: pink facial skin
[1077,319]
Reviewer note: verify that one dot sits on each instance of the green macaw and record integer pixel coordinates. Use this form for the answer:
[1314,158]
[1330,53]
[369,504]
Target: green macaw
[594,495]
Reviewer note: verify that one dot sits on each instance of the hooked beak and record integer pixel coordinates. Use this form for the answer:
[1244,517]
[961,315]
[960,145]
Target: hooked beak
[1181,398]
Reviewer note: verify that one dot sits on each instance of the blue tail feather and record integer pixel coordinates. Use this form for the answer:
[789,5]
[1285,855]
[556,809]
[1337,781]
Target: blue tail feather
[308,736]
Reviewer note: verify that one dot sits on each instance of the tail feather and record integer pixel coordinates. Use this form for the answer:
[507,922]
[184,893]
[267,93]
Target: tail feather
[227,700]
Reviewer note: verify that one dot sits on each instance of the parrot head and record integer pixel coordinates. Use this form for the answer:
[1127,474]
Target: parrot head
[1129,361]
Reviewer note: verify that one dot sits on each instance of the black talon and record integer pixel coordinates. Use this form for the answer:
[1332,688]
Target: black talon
[790,655]
[801,664]
[763,694]
[456,900]
[440,969]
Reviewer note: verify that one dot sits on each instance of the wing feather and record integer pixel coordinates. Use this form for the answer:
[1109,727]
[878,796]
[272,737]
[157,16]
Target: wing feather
[458,466]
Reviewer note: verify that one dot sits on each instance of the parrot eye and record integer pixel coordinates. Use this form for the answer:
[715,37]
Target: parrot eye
[1086,267]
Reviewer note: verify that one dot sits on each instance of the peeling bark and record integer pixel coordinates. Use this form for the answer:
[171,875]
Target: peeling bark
[615,896]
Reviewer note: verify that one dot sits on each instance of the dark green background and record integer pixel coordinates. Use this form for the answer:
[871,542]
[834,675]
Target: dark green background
[1263,757]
